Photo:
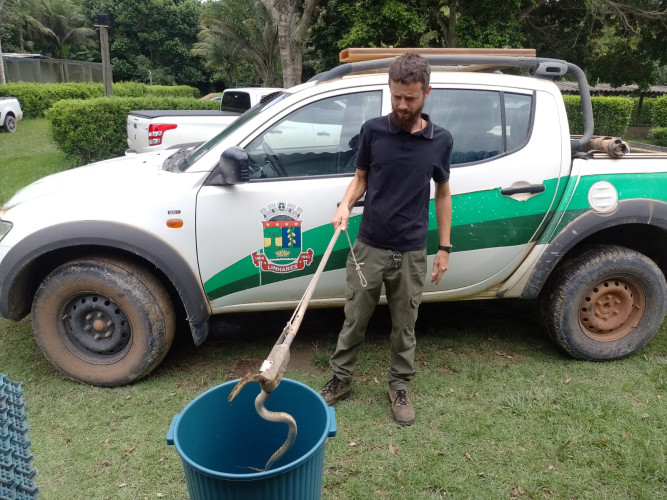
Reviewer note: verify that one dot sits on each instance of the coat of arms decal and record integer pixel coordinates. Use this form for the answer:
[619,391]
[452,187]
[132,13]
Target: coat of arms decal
[282,240]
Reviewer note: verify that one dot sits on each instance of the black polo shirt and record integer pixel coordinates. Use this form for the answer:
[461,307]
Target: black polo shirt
[400,167]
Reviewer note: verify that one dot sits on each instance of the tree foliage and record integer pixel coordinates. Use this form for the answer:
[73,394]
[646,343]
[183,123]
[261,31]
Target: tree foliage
[235,31]
[151,40]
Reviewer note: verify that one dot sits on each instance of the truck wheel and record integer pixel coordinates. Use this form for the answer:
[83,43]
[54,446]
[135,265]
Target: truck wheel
[10,123]
[103,321]
[606,303]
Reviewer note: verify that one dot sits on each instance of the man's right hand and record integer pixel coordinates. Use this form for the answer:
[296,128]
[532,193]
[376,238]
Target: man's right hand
[341,217]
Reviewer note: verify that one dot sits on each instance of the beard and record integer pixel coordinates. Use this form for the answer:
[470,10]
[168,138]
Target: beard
[407,121]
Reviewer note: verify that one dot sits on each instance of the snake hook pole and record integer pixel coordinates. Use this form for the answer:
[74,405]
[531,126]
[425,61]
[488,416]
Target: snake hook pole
[273,367]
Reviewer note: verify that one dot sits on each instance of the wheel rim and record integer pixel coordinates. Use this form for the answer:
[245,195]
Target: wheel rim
[11,124]
[95,328]
[612,309]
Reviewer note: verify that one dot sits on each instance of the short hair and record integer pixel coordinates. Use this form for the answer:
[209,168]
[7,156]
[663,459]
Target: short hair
[409,68]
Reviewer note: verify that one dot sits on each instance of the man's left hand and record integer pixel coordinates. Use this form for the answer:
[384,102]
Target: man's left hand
[440,266]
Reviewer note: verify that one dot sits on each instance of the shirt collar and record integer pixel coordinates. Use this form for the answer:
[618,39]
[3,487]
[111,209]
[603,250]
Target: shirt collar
[426,132]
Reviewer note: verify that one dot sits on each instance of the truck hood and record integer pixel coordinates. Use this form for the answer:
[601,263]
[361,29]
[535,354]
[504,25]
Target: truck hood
[104,177]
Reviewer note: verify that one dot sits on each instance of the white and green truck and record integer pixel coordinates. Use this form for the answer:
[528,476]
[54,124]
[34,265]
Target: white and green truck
[105,256]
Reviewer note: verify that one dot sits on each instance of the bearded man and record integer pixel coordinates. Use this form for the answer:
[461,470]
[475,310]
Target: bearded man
[399,154]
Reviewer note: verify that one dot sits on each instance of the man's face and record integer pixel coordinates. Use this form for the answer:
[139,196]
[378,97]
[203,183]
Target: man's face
[407,101]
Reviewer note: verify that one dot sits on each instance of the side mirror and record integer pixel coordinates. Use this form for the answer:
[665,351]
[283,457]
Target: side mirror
[234,167]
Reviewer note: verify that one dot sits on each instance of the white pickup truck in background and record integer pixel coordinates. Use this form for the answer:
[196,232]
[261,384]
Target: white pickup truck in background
[154,130]
[10,113]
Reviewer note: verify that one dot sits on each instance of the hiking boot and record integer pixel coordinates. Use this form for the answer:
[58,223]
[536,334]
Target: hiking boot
[401,407]
[334,390]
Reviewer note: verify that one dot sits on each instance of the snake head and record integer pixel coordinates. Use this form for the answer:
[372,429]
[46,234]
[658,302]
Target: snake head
[250,377]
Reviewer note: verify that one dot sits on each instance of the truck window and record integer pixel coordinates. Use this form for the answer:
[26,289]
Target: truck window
[237,102]
[483,123]
[320,138]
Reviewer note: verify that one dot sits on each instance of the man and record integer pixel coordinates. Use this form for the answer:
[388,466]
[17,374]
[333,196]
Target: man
[399,154]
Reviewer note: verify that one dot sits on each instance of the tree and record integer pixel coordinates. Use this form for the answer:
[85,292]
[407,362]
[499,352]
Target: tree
[236,31]
[59,25]
[292,18]
[161,31]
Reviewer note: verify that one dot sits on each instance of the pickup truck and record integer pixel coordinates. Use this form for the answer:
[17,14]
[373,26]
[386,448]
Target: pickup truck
[10,113]
[154,130]
[241,222]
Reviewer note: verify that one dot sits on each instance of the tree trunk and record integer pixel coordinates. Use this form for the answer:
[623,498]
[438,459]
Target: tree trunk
[292,32]
[451,32]
[3,79]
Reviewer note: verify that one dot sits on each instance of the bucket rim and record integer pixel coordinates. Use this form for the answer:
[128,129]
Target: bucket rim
[252,476]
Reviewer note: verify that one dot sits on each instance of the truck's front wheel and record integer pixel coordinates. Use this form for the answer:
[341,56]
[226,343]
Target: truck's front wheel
[605,303]
[103,321]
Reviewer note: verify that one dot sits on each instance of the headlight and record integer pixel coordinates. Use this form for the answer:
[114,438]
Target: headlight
[5,227]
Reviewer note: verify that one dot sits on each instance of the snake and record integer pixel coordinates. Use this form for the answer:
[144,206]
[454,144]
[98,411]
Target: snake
[276,416]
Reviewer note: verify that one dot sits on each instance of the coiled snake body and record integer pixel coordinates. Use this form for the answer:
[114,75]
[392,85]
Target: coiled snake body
[276,416]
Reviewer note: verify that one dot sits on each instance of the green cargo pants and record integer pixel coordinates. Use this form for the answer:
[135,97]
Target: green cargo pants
[403,287]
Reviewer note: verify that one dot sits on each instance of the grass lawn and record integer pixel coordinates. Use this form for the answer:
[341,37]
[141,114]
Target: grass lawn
[501,412]
[28,155]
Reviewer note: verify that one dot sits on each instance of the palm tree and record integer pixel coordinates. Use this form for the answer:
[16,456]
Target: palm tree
[236,30]
[60,25]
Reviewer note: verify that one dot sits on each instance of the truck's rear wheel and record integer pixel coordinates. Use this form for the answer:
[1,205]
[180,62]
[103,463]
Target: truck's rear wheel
[103,321]
[606,303]
[10,123]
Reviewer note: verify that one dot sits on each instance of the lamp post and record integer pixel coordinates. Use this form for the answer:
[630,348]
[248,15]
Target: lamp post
[103,22]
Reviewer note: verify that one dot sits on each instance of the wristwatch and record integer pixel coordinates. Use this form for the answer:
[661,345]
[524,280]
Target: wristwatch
[446,248]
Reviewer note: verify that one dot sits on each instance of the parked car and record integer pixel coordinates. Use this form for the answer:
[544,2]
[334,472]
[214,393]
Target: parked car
[240,222]
[10,113]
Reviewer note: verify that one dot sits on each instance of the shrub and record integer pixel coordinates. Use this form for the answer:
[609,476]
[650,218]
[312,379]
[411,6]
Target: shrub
[659,135]
[611,114]
[36,98]
[659,114]
[644,118]
[95,129]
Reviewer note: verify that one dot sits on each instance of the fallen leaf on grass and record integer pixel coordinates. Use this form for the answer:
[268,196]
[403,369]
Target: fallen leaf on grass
[393,449]
[105,463]
[352,443]
[468,457]
[129,451]
[122,485]
[517,491]
[645,416]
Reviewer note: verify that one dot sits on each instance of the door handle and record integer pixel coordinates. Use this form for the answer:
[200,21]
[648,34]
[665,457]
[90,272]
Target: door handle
[527,189]
[323,134]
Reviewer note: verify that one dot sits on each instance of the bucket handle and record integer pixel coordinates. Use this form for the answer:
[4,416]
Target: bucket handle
[172,429]
[333,428]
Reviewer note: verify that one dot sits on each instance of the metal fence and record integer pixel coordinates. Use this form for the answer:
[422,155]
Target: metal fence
[34,69]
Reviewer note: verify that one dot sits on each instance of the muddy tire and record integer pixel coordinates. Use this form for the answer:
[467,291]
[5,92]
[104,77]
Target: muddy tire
[103,321]
[605,304]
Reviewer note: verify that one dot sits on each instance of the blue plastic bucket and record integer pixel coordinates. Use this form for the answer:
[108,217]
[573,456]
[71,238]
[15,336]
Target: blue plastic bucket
[224,446]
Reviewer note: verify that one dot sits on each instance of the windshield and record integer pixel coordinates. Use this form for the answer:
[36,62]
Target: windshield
[239,122]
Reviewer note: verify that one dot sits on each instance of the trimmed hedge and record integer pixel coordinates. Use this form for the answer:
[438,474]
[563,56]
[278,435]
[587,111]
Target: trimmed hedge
[659,134]
[647,110]
[659,114]
[95,129]
[36,98]
[611,115]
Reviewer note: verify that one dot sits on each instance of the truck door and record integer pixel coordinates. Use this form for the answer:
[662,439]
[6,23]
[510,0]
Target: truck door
[505,177]
[260,242]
